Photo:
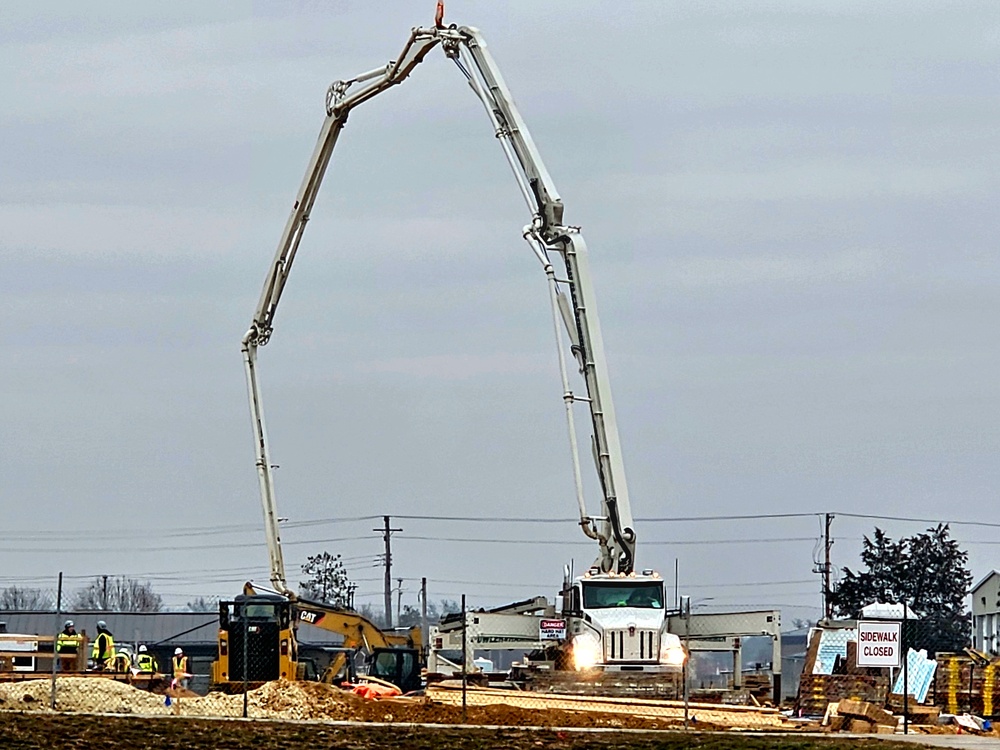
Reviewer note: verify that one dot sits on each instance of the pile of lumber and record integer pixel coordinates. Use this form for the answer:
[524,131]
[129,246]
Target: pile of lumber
[918,713]
[744,717]
[962,684]
[622,684]
[759,686]
[861,717]
[817,691]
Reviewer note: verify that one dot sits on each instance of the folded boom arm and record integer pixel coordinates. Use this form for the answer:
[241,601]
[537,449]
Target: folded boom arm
[547,236]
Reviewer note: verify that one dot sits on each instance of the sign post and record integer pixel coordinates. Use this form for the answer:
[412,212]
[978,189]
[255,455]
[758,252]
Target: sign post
[906,683]
[879,644]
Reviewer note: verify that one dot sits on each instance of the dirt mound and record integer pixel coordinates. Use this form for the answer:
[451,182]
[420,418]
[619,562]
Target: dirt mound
[302,700]
[292,701]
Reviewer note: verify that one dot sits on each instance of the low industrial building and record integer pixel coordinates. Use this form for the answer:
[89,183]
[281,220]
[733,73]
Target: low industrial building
[986,614]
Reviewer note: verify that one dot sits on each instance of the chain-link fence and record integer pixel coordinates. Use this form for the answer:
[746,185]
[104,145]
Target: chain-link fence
[628,673]
[929,675]
[705,670]
[513,670]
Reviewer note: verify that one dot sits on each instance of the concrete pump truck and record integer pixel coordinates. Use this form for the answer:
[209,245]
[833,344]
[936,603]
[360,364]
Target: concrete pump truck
[617,616]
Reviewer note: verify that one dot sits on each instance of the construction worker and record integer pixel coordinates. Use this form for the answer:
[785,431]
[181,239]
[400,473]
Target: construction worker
[146,661]
[122,661]
[68,646]
[103,650]
[180,663]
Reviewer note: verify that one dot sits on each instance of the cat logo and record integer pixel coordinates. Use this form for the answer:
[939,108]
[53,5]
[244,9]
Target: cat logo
[311,617]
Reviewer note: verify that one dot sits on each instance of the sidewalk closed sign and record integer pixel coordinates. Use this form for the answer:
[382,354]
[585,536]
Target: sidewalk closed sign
[878,644]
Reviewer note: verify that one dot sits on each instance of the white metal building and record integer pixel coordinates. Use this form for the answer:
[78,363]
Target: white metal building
[986,614]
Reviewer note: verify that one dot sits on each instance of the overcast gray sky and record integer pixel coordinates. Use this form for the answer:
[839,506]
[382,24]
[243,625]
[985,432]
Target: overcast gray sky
[791,210]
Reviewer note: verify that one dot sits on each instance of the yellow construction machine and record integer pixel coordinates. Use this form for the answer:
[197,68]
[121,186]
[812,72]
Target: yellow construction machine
[258,642]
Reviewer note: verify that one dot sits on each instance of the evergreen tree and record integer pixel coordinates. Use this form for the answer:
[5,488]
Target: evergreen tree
[926,571]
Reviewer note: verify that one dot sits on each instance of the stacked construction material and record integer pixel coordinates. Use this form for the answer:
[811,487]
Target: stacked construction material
[965,683]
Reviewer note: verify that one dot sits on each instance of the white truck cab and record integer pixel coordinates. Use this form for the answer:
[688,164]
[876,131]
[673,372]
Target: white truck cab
[617,622]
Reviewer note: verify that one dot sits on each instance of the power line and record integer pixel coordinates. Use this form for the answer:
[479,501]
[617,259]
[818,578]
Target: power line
[584,542]
[211,530]
[905,519]
[173,548]
[470,540]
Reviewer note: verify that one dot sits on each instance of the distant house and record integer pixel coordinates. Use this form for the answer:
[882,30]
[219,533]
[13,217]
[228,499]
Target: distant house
[986,614]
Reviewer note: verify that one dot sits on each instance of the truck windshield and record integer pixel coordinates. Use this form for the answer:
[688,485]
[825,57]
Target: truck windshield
[647,595]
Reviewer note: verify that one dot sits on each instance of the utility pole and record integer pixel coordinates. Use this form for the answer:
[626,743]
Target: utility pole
[827,544]
[399,598]
[387,582]
[424,640]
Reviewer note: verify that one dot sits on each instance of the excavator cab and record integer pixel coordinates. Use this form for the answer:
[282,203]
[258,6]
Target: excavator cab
[400,666]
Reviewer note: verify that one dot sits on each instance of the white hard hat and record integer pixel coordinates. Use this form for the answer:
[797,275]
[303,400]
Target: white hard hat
[142,648]
[178,651]
[68,624]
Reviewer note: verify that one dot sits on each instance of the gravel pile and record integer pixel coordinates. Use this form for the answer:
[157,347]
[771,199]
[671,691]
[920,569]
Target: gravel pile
[275,700]
[290,701]
[80,694]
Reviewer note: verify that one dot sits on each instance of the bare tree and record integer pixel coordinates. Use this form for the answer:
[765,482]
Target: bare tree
[24,599]
[201,604]
[328,581]
[119,594]
[371,614]
[411,615]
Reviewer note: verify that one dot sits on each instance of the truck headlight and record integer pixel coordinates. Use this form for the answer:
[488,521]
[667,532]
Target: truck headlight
[586,650]
[671,651]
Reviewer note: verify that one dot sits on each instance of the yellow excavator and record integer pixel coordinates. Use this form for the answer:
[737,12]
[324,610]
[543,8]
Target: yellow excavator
[258,643]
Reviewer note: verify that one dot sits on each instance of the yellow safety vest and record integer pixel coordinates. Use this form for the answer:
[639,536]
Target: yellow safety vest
[146,663]
[68,643]
[122,662]
[180,665]
[109,648]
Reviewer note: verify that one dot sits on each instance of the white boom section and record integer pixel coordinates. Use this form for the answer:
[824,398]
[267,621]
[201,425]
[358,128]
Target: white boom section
[339,104]
[546,234]
[613,528]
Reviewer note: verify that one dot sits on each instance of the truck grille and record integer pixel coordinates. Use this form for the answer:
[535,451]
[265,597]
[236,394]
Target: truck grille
[631,644]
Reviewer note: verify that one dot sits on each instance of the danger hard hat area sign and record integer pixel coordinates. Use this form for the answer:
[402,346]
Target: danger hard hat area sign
[878,644]
[552,630]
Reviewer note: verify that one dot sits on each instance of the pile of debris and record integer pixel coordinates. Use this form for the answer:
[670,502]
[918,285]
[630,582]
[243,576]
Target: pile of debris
[860,717]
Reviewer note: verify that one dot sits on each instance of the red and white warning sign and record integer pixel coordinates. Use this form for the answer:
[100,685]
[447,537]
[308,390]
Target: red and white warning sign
[878,644]
[552,630]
